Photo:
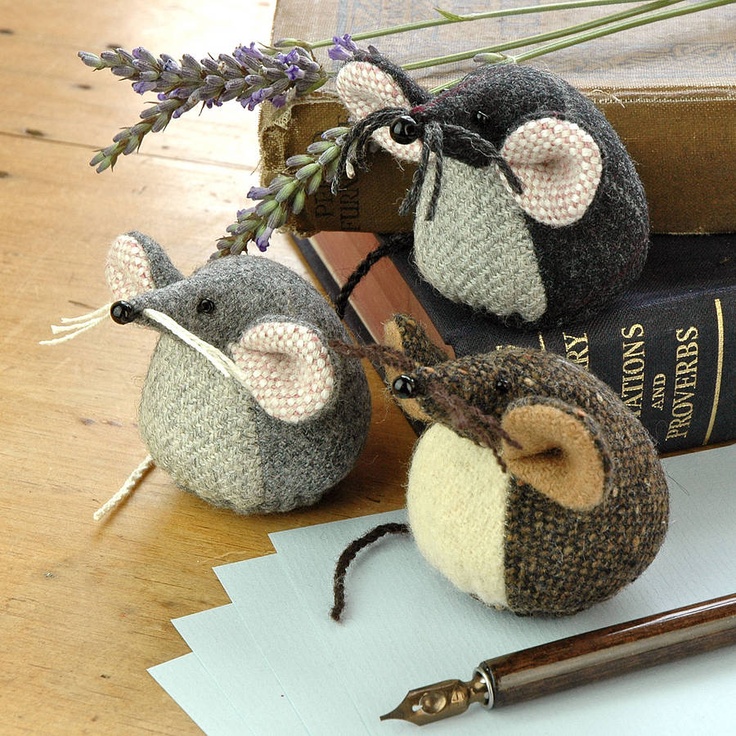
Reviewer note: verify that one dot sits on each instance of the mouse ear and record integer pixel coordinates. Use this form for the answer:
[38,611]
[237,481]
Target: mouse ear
[373,84]
[406,335]
[136,264]
[287,369]
[561,452]
[559,166]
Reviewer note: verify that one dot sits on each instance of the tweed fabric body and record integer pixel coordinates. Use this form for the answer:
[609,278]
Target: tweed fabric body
[584,264]
[199,426]
[207,430]
[560,561]
[477,249]
[556,560]
[583,208]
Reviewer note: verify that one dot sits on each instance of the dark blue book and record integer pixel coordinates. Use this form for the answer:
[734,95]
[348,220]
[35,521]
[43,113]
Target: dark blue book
[667,346]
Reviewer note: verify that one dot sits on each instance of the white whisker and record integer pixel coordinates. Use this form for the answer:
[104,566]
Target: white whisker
[74,326]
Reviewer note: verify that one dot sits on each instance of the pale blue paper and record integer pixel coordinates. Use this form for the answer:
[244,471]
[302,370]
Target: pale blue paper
[406,626]
[403,613]
[301,659]
[233,659]
[187,681]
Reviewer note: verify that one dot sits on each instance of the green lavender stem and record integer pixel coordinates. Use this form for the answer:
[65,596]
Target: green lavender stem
[447,18]
[286,194]
[544,37]
[621,26]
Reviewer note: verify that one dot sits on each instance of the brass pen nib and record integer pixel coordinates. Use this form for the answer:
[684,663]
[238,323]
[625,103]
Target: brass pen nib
[441,700]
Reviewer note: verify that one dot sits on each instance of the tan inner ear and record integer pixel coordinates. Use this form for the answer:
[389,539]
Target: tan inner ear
[558,455]
[392,339]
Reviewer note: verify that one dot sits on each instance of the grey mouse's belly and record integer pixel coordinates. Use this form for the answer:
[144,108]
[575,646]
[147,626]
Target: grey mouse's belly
[199,427]
[477,250]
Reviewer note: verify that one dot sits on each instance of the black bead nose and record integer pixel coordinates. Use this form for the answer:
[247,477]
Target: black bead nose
[404,387]
[405,130]
[122,312]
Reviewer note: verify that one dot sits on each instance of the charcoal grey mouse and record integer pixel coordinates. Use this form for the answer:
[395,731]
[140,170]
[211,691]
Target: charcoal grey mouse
[527,205]
[245,404]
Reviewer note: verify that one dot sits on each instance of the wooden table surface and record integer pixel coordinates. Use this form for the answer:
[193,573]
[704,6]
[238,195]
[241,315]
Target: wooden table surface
[86,606]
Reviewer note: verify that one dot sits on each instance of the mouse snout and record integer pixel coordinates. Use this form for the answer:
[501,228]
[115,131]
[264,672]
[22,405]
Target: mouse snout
[122,312]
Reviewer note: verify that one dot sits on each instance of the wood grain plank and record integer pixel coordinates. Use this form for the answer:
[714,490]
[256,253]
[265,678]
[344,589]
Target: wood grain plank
[87,607]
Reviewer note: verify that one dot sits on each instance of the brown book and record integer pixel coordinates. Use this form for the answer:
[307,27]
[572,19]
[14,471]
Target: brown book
[668,88]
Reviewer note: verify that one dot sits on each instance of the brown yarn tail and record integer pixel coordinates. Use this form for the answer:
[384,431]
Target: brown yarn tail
[349,554]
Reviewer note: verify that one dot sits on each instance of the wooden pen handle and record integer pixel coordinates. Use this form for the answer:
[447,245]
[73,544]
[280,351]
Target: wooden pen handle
[611,651]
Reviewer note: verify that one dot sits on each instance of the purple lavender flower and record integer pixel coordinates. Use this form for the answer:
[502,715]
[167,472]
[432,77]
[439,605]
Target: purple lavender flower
[263,239]
[294,72]
[344,48]
[250,75]
[243,53]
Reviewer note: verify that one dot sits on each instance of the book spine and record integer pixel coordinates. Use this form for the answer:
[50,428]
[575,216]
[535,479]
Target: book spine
[671,360]
[684,146]
[669,357]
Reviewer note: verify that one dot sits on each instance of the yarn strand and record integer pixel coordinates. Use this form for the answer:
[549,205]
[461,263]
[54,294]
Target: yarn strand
[126,489]
[392,244]
[349,554]
[74,326]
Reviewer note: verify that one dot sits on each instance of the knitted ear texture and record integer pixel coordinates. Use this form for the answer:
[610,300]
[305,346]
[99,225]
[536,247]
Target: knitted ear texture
[288,370]
[128,269]
[365,88]
[559,166]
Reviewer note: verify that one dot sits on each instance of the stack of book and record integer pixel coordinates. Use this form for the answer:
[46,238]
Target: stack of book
[668,89]
[667,346]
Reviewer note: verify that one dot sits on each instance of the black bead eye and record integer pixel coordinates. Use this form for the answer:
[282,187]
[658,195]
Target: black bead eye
[502,385]
[404,130]
[404,387]
[206,306]
[481,118]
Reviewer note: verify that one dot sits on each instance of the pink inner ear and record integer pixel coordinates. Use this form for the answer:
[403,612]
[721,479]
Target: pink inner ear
[128,271]
[559,166]
[363,89]
[288,370]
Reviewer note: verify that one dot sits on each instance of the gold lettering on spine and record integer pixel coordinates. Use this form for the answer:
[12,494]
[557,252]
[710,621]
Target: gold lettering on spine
[686,381]
[577,349]
[633,366]
[719,371]
[659,387]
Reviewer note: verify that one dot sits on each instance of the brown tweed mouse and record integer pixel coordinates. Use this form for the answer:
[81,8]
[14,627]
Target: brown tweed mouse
[533,487]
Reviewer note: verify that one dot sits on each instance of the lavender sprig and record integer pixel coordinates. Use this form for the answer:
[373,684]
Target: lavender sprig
[248,75]
[285,195]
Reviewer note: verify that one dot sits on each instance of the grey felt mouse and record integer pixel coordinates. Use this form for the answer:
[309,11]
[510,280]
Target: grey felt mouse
[245,403]
[534,488]
[527,205]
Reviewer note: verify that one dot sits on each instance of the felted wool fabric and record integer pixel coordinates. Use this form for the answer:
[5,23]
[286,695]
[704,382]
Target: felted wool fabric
[477,249]
[582,505]
[292,418]
[530,207]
